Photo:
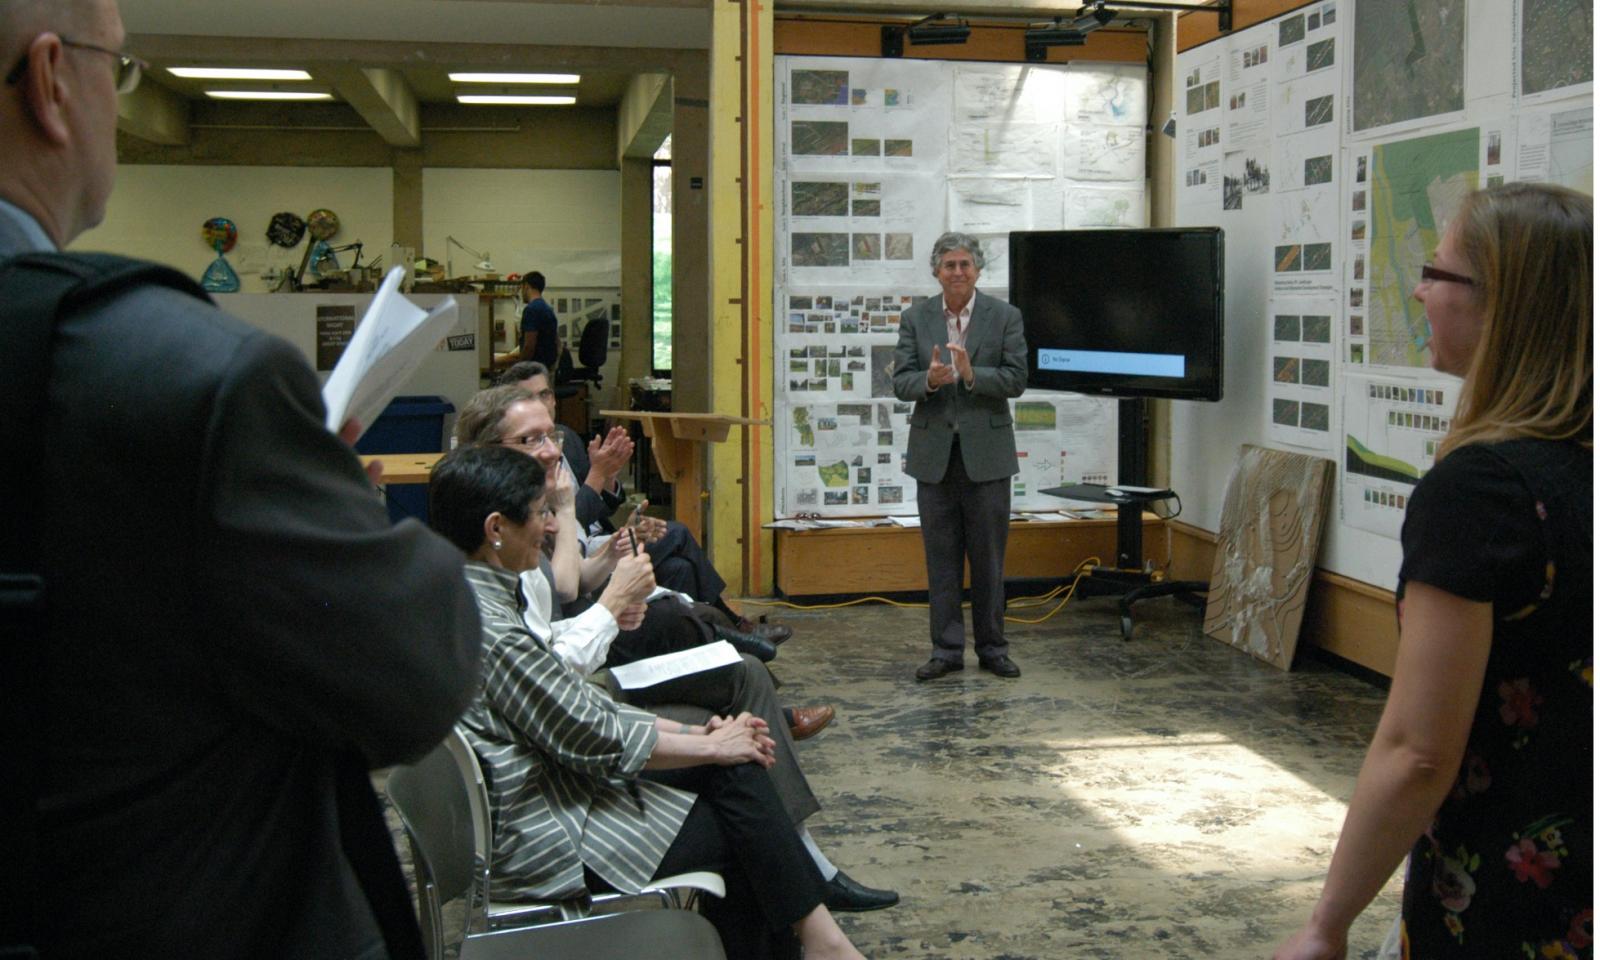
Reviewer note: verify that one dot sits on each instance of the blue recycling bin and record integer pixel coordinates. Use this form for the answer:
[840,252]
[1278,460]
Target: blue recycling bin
[413,424]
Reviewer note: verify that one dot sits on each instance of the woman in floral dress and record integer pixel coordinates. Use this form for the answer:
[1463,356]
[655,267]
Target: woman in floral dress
[1482,764]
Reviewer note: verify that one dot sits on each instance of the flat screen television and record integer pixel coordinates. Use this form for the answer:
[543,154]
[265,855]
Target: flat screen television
[1122,313]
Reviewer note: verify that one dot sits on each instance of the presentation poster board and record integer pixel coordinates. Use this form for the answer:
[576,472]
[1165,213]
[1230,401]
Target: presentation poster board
[876,159]
[1333,145]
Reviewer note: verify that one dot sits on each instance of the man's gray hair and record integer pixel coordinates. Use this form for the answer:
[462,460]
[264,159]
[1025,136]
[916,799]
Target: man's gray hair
[482,420]
[22,20]
[955,240]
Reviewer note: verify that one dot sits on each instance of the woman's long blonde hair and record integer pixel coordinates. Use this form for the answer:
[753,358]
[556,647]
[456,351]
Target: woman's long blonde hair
[1531,375]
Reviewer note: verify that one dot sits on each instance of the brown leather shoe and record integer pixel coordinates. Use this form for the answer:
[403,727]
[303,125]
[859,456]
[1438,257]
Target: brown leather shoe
[807,722]
[773,633]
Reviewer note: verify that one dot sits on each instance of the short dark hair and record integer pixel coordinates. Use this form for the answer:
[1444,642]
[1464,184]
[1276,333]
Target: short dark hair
[470,483]
[534,279]
[522,370]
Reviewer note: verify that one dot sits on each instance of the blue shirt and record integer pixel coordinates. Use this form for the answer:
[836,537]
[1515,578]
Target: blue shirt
[29,226]
[538,318]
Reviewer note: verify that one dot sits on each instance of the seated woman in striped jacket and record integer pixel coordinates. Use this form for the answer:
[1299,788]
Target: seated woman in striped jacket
[590,795]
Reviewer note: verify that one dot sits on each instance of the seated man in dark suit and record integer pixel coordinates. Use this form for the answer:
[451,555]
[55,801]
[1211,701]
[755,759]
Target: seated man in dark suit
[680,563]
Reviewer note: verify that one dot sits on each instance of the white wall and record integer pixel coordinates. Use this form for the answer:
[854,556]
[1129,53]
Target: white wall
[564,223]
[156,212]
[452,374]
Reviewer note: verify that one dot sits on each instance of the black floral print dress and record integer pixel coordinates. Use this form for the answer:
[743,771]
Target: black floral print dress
[1507,868]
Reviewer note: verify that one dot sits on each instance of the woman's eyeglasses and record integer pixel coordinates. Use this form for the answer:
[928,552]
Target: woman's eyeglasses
[532,441]
[1432,274]
[129,68]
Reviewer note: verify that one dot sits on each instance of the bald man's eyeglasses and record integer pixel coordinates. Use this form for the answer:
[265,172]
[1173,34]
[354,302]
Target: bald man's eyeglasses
[129,68]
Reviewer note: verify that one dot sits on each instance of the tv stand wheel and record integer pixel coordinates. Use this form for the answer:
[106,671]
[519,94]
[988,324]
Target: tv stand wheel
[1127,625]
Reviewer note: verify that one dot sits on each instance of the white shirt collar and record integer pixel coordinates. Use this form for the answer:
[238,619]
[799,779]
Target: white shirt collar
[966,311]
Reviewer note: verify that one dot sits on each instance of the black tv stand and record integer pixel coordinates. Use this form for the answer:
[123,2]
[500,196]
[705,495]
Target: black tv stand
[1129,576]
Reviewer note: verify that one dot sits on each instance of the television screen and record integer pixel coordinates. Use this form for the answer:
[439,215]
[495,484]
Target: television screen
[1122,313]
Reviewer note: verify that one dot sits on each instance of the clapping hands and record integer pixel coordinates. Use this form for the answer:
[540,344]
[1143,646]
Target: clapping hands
[939,373]
[609,453]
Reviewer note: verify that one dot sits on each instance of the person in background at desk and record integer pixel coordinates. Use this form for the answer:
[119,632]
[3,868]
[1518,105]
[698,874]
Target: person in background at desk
[680,563]
[960,358]
[540,341]
[1481,766]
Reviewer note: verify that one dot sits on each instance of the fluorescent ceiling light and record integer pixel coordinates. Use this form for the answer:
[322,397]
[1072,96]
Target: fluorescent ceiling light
[236,73]
[267,95]
[514,77]
[509,100]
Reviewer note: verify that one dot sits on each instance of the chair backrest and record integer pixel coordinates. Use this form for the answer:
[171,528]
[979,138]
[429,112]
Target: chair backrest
[437,800]
[592,345]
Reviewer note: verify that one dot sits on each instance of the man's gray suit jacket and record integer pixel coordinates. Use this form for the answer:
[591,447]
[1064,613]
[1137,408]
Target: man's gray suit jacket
[999,358]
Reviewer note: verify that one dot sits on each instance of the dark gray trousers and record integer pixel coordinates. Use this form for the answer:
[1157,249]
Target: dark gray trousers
[965,519]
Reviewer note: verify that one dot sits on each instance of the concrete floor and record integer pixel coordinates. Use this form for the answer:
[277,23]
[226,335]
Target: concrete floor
[1164,797]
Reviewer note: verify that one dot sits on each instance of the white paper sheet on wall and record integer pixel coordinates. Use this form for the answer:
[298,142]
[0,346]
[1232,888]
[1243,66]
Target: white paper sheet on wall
[1099,152]
[993,149]
[1557,146]
[1106,94]
[1110,207]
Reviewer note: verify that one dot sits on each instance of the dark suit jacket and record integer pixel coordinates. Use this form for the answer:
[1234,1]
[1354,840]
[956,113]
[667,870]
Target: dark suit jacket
[592,507]
[999,371]
[231,609]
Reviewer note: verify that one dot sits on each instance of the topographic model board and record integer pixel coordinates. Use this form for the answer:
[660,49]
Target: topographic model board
[876,158]
[1272,520]
[1334,144]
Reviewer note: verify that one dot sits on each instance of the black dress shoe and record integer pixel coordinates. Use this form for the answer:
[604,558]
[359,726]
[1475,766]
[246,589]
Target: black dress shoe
[936,668]
[1001,666]
[762,650]
[843,894]
[773,633]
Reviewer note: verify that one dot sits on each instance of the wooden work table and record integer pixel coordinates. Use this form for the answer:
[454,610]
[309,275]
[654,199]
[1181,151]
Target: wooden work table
[401,468]
[675,440]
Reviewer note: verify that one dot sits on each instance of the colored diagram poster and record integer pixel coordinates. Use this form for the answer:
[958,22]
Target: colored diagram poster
[1301,355]
[1409,61]
[1392,430]
[1413,188]
[841,225]
[1553,48]
[847,456]
[1062,438]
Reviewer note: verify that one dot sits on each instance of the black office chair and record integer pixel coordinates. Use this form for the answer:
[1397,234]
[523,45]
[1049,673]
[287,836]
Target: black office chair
[592,346]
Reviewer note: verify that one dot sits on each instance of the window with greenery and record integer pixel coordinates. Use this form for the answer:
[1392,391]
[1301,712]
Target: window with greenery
[661,261]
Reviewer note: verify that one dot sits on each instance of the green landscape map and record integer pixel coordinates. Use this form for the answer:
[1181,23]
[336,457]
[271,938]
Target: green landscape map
[1417,185]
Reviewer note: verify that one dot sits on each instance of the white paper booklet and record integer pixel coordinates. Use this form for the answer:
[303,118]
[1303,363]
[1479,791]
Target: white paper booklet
[389,344]
[670,666]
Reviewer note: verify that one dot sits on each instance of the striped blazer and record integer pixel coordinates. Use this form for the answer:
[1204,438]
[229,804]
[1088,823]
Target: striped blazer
[561,760]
